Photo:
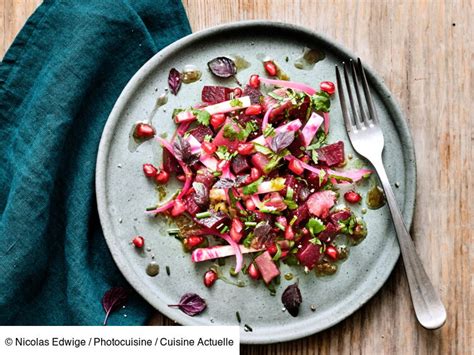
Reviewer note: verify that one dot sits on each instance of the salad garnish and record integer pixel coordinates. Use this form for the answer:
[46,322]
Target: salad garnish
[261,182]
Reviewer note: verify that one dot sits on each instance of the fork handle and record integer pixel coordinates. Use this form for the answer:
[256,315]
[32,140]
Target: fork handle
[428,307]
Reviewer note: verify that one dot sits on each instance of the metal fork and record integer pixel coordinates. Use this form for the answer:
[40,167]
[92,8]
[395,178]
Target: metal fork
[367,139]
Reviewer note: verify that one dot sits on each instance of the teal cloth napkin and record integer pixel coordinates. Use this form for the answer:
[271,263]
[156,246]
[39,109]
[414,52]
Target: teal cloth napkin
[58,84]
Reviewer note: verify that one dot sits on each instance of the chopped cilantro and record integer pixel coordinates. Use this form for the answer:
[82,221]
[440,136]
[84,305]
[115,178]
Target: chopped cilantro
[230,132]
[321,101]
[223,153]
[203,117]
[315,226]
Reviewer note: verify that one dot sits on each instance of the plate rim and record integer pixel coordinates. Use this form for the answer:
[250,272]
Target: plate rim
[376,82]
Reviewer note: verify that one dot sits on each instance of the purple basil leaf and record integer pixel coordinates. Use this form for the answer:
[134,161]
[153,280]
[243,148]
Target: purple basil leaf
[222,67]
[254,94]
[239,180]
[263,234]
[182,150]
[292,299]
[191,304]
[201,196]
[174,80]
[113,299]
[281,140]
[226,183]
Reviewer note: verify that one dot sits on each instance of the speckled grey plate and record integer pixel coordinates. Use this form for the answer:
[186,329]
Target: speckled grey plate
[123,193]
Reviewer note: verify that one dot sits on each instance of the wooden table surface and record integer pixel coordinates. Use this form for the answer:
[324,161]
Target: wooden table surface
[424,51]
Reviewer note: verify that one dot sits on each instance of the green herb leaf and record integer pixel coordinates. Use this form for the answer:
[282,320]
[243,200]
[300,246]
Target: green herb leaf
[315,226]
[292,205]
[203,117]
[321,101]
[253,187]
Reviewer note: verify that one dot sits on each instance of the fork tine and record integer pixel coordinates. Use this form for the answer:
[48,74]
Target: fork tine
[368,96]
[356,80]
[342,100]
[355,115]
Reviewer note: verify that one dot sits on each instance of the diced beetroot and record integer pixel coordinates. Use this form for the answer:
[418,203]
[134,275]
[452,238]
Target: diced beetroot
[329,233]
[191,206]
[300,111]
[295,146]
[340,216]
[206,177]
[313,179]
[254,94]
[221,140]
[240,164]
[260,161]
[200,132]
[309,254]
[301,213]
[332,154]
[215,94]
[267,267]
[320,202]
[214,221]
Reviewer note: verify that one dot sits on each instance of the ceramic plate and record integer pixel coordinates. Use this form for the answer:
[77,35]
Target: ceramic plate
[123,193]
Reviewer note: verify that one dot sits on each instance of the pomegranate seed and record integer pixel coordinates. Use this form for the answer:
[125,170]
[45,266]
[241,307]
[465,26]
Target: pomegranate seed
[223,164]
[352,197]
[138,241]
[250,205]
[208,147]
[272,249]
[149,170]
[255,174]
[304,231]
[254,81]
[237,92]
[270,67]
[193,241]
[332,252]
[162,177]
[296,167]
[210,277]
[254,273]
[254,110]
[245,148]
[181,177]
[178,208]
[217,120]
[143,131]
[328,86]
[289,234]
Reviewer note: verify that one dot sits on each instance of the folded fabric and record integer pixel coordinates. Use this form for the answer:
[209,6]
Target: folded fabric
[58,84]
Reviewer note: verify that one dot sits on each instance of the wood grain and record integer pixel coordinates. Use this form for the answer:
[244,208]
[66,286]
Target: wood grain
[425,52]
